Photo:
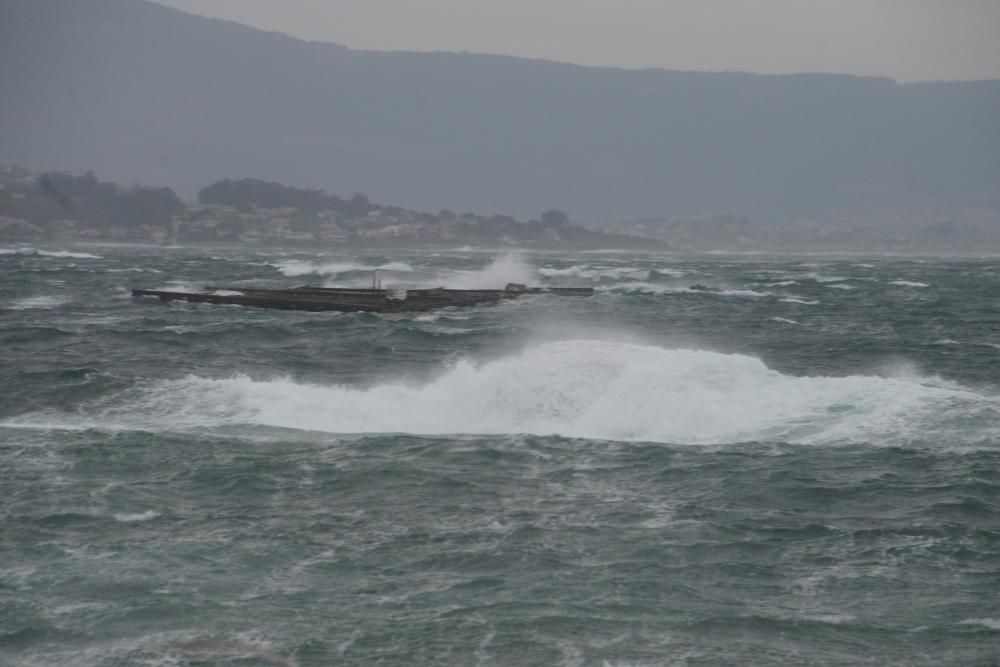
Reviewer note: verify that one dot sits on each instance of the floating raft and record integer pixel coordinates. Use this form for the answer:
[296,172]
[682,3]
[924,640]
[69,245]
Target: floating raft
[309,297]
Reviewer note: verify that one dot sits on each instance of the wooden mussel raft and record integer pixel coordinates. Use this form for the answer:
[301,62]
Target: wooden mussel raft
[373,300]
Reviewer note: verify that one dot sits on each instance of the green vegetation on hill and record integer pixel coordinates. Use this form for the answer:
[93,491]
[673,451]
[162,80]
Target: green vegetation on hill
[60,206]
[137,91]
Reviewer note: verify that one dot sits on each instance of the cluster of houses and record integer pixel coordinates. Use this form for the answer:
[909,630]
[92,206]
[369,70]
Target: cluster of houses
[65,207]
[215,223]
[222,223]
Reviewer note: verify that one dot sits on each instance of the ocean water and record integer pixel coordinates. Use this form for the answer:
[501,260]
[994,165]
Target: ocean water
[800,468]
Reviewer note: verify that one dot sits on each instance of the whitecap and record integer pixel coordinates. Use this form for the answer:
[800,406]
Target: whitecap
[585,271]
[653,288]
[833,619]
[178,286]
[39,302]
[66,253]
[395,266]
[126,517]
[745,292]
[991,623]
[578,388]
[825,279]
[908,283]
[297,267]
[677,273]
[795,299]
[34,252]
[509,267]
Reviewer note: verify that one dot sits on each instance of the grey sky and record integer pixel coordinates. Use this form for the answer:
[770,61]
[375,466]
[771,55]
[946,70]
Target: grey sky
[905,39]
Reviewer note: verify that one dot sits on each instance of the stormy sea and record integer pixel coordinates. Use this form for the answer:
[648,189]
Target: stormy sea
[797,465]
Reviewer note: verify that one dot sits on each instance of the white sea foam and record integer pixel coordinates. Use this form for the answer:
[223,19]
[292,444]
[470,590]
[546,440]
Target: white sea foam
[991,623]
[178,286]
[677,273]
[578,271]
[509,267]
[38,302]
[395,266]
[908,283]
[136,517]
[581,388]
[795,299]
[842,286]
[34,252]
[744,292]
[825,279]
[297,267]
[785,320]
[654,288]
[611,273]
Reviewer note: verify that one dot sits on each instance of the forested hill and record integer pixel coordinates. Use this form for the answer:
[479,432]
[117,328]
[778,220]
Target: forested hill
[140,92]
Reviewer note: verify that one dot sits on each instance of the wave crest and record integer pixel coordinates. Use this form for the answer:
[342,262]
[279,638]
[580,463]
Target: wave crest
[587,389]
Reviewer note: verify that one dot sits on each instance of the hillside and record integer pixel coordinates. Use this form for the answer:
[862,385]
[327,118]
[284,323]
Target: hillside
[140,92]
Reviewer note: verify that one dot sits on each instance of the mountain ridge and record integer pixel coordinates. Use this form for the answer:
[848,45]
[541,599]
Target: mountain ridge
[140,91]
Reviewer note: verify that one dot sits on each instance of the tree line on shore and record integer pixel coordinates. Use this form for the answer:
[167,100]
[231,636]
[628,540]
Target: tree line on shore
[62,205]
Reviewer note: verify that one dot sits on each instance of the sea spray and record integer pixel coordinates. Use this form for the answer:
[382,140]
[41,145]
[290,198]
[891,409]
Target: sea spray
[578,388]
[181,483]
[508,267]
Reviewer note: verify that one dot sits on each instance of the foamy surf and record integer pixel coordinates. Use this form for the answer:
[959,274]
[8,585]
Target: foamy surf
[136,517]
[34,252]
[45,302]
[653,288]
[295,268]
[586,272]
[581,388]
[509,267]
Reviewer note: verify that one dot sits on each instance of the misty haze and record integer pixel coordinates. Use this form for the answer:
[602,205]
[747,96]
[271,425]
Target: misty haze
[651,333]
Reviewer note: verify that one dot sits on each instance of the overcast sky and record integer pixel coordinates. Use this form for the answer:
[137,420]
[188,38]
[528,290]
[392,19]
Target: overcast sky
[909,40]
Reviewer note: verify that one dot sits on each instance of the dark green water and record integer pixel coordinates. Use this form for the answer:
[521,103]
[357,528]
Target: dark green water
[803,468]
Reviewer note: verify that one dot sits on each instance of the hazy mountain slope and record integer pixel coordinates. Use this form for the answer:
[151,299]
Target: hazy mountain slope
[140,92]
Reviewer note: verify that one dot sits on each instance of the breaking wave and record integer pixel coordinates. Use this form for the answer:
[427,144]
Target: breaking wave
[34,252]
[38,302]
[509,267]
[603,272]
[654,288]
[582,388]
[296,267]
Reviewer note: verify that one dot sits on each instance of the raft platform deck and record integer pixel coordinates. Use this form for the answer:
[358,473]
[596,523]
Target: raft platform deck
[312,298]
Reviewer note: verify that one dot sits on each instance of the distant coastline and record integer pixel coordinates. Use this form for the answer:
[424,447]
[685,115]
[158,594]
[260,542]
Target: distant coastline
[63,207]
[58,207]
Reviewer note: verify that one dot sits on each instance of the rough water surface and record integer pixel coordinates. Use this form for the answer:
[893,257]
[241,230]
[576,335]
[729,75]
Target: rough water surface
[798,466]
